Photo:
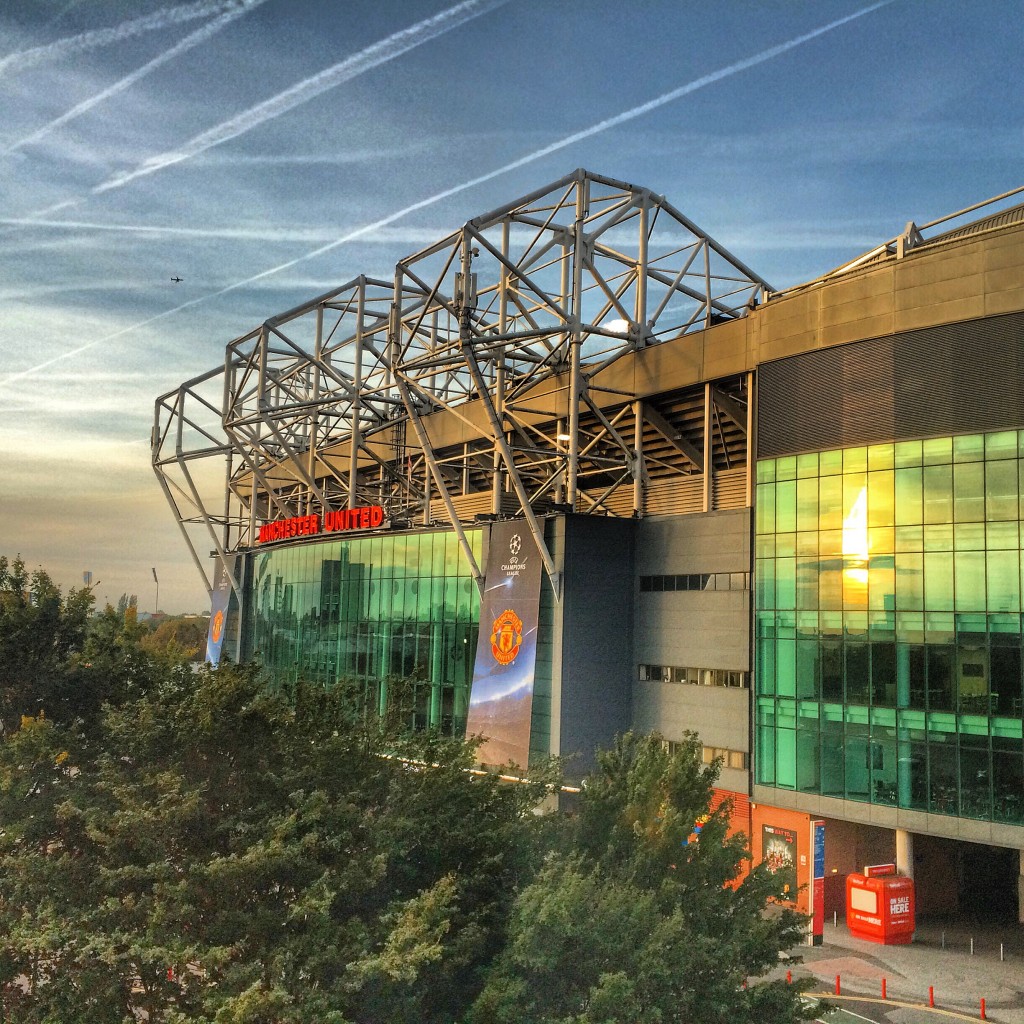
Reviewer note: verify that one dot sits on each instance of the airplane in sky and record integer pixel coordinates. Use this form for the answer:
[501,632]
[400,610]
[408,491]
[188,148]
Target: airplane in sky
[177,280]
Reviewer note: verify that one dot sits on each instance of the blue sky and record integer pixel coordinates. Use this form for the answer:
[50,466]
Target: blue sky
[215,141]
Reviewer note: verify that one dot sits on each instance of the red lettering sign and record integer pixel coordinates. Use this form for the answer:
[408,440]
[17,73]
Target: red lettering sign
[366,518]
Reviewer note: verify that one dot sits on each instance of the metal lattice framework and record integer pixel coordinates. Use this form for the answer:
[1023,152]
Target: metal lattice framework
[468,387]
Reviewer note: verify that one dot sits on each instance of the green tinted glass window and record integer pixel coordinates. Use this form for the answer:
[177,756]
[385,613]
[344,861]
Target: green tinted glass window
[1001,497]
[1001,445]
[938,494]
[969,492]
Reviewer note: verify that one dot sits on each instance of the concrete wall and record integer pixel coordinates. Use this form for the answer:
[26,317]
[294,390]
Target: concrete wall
[695,629]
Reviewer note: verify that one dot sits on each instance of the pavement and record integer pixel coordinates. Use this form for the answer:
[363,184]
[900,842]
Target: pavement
[940,958]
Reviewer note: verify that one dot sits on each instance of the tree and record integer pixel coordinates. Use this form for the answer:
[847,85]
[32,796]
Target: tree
[285,862]
[39,632]
[180,636]
[638,919]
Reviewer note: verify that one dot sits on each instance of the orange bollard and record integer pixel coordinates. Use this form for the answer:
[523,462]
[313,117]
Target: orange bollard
[983,1017]
[931,995]
[838,992]
[789,977]
[883,988]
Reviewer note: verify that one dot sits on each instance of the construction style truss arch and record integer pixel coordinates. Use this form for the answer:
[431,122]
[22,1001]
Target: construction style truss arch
[476,384]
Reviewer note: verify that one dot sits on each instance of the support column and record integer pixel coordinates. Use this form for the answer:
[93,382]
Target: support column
[638,459]
[708,499]
[905,853]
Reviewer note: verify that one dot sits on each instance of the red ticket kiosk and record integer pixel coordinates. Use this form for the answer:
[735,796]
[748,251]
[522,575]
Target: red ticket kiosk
[880,905]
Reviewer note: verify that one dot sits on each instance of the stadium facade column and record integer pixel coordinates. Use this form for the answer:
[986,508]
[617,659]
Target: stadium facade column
[905,852]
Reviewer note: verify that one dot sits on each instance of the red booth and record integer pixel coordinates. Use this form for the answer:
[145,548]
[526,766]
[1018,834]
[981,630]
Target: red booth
[880,905]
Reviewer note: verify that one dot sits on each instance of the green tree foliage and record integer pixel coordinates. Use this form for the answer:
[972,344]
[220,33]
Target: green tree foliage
[279,859]
[39,631]
[638,918]
[180,637]
[182,845]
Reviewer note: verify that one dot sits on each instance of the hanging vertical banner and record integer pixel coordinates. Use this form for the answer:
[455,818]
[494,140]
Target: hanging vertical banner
[220,600]
[778,851]
[818,883]
[501,700]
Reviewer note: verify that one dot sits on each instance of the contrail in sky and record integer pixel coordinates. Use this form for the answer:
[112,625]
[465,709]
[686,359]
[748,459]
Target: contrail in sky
[365,60]
[161,19]
[200,35]
[537,154]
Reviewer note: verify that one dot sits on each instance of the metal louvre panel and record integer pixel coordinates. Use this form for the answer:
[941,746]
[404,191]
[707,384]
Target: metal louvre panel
[729,488]
[620,502]
[672,497]
[951,379]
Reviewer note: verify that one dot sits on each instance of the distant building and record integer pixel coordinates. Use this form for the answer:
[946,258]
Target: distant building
[789,521]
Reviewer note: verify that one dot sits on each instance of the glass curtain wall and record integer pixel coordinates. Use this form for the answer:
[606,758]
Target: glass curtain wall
[888,624]
[369,608]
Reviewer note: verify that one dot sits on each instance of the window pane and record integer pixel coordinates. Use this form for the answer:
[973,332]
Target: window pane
[785,583]
[785,673]
[858,672]
[883,674]
[938,582]
[830,503]
[833,761]
[969,448]
[909,582]
[785,507]
[807,504]
[785,758]
[858,770]
[881,499]
[882,583]
[1005,665]
[1001,490]
[969,492]
[807,756]
[940,678]
[938,494]
[970,580]
[908,491]
[943,790]
[807,668]
[1003,582]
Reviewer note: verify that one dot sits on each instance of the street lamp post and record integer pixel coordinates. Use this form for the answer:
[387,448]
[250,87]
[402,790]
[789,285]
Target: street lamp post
[157,582]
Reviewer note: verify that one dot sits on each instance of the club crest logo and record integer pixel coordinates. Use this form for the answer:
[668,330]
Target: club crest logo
[515,544]
[506,637]
[218,626]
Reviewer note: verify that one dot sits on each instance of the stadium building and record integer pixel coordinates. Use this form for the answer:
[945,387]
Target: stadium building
[578,469]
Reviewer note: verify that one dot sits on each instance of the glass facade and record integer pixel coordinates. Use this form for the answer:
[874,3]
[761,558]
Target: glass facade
[368,608]
[888,624]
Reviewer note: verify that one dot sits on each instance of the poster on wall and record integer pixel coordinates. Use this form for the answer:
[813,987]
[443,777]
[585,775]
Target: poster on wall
[220,599]
[501,699]
[818,883]
[778,851]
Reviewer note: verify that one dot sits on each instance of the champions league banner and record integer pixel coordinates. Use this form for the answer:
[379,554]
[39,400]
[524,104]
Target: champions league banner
[501,700]
[221,598]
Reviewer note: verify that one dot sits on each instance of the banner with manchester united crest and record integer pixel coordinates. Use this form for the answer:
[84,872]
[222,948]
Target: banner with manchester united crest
[501,700]
[220,603]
